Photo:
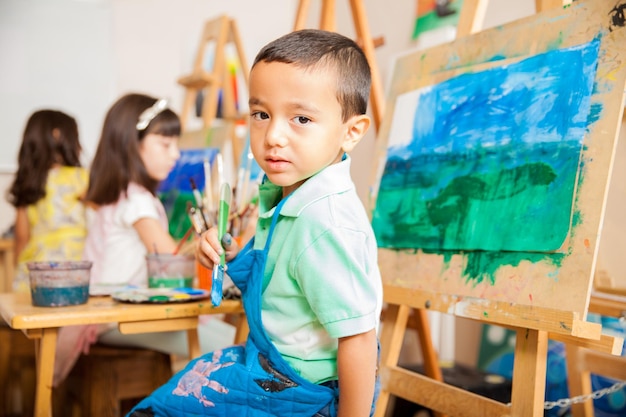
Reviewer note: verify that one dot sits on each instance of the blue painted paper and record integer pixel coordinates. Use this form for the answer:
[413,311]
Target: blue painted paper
[489,160]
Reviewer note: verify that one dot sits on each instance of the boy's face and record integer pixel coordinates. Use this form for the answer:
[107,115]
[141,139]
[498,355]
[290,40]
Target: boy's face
[296,128]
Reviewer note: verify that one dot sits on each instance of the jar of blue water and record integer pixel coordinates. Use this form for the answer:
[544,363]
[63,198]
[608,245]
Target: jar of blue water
[59,283]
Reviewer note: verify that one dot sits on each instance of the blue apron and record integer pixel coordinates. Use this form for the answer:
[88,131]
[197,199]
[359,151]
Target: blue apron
[252,380]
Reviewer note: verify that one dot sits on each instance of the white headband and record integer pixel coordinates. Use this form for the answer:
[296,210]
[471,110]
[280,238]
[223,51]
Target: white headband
[150,113]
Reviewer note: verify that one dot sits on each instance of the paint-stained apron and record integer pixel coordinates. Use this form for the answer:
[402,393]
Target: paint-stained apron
[251,380]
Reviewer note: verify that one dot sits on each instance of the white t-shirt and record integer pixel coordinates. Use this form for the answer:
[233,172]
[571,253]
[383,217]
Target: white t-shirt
[113,244]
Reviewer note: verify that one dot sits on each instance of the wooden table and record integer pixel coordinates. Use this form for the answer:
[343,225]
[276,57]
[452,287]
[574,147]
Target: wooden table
[42,324]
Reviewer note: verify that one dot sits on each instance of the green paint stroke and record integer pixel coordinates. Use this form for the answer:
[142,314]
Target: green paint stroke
[556,43]
[483,265]
[595,112]
[431,20]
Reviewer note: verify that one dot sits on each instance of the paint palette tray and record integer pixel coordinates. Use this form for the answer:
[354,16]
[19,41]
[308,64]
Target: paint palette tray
[160,295]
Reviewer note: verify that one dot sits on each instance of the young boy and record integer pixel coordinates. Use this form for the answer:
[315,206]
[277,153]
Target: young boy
[311,285]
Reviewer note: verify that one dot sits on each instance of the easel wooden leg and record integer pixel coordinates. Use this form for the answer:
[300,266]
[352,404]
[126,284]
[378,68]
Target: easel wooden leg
[472,17]
[210,104]
[391,338]
[419,321]
[395,321]
[303,7]
[377,98]
[359,17]
[327,19]
[578,381]
[529,373]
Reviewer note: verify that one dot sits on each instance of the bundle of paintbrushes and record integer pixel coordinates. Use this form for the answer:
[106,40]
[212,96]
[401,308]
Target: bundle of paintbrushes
[232,211]
[242,215]
[202,217]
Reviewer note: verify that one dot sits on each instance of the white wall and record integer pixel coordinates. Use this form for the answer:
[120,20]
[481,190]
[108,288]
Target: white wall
[80,56]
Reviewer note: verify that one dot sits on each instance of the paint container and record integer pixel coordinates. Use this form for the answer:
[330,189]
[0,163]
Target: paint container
[170,271]
[204,276]
[57,284]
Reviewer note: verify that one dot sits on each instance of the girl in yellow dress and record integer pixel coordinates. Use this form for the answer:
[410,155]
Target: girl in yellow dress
[47,193]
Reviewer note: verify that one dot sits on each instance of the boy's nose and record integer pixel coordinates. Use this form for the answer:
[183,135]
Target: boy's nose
[275,136]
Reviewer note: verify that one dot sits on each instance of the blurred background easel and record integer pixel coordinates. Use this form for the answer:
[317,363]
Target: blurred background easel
[217,33]
[215,90]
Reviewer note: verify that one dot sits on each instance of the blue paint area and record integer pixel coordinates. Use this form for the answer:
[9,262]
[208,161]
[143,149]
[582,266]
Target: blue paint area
[595,112]
[59,296]
[175,191]
[190,165]
[496,58]
[489,155]
[544,98]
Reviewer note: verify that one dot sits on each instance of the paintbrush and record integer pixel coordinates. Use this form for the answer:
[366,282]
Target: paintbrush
[222,224]
[183,240]
[208,189]
[243,192]
[198,197]
[197,220]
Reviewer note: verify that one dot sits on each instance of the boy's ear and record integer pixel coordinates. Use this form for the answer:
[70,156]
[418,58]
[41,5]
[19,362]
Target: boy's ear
[357,127]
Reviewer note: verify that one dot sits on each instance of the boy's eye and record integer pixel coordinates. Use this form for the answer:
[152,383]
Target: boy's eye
[301,120]
[260,115]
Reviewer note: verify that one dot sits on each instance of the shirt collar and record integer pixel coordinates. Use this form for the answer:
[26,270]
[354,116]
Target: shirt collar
[333,179]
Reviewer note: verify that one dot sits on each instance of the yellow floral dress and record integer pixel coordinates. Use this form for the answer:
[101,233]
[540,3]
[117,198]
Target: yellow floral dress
[57,222]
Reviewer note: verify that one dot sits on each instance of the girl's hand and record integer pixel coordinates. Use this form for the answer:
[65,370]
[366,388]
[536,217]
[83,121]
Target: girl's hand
[209,249]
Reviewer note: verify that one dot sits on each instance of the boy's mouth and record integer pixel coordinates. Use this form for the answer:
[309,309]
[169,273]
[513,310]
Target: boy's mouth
[276,163]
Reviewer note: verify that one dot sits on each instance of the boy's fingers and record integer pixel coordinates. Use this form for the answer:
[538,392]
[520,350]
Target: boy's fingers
[227,240]
[209,247]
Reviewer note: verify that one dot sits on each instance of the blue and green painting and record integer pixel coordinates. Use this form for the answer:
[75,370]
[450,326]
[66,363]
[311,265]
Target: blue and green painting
[175,191]
[489,161]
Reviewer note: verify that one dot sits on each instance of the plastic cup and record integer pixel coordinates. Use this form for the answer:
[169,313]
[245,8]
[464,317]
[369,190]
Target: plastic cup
[57,284]
[170,271]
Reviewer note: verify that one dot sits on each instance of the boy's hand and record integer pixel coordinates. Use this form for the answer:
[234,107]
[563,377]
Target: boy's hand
[209,249]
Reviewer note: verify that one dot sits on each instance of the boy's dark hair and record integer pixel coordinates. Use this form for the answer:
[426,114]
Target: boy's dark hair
[313,49]
[50,137]
[117,162]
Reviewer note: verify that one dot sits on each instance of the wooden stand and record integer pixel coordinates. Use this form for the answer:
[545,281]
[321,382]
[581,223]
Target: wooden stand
[583,361]
[217,33]
[534,324]
[530,352]
[327,22]
[220,32]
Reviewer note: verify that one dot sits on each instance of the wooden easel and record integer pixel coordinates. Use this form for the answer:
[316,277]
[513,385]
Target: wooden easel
[582,362]
[534,326]
[327,22]
[219,32]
